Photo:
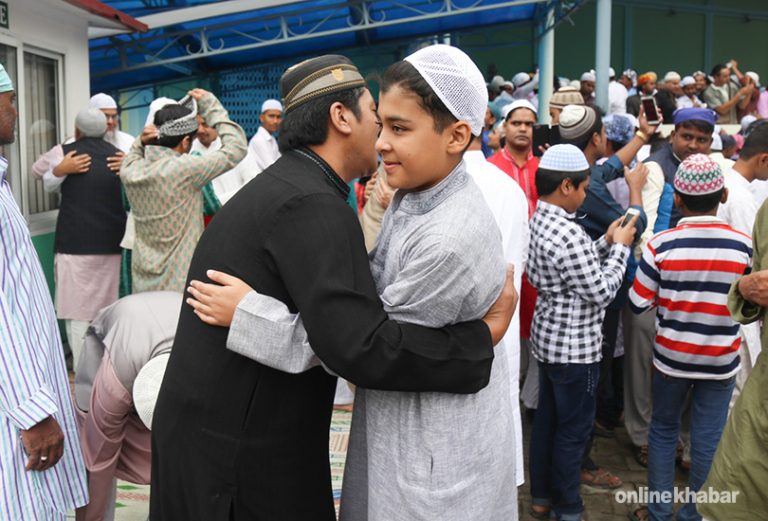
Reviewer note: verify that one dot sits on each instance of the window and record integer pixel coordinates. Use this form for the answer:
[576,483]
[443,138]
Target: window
[41,118]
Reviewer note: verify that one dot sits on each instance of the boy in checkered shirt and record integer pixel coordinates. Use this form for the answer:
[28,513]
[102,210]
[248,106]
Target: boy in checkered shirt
[686,273]
[576,279]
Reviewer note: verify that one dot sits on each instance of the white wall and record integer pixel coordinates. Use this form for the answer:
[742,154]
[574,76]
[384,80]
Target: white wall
[56,26]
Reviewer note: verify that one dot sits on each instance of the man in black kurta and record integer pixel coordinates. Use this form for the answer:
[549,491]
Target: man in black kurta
[236,440]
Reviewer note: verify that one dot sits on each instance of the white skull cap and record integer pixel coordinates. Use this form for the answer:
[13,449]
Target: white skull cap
[102,101]
[147,386]
[456,80]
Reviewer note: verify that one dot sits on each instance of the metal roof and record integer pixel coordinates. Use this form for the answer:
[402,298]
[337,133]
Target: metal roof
[194,37]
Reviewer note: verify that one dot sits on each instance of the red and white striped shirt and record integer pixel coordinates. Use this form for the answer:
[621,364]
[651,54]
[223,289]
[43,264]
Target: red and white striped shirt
[687,272]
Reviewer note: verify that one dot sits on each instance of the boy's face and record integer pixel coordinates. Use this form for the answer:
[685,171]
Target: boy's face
[574,197]
[687,141]
[415,156]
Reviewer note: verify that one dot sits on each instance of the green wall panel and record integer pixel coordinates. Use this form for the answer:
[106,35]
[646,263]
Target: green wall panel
[750,47]
[44,246]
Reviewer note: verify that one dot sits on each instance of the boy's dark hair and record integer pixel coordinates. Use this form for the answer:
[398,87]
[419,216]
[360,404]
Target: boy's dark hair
[307,124]
[547,180]
[697,124]
[404,74]
[582,141]
[169,113]
[701,203]
[756,142]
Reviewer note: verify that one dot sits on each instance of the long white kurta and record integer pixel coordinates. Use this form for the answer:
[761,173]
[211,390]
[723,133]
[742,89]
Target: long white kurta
[419,456]
[33,380]
[509,206]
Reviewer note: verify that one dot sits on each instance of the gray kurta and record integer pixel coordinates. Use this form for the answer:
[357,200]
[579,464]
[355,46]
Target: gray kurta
[418,456]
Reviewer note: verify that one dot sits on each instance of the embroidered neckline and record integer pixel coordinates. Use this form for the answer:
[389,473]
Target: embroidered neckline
[332,176]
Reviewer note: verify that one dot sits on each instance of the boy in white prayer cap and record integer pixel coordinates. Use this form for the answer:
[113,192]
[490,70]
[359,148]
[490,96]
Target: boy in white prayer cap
[263,144]
[576,279]
[438,261]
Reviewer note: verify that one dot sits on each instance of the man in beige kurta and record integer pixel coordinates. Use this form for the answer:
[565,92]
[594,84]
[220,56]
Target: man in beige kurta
[164,187]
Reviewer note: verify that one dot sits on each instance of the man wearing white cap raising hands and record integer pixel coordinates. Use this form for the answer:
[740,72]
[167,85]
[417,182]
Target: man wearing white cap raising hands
[263,145]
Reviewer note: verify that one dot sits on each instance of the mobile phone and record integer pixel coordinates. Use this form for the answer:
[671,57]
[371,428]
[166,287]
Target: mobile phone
[540,138]
[651,110]
[631,212]
[544,135]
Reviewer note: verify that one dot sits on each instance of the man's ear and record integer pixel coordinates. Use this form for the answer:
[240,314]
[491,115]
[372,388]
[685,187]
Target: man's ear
[724,197]
[459,136]
[339,118]
[677,200]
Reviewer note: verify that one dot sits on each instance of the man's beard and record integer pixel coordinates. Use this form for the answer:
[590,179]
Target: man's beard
[111,137]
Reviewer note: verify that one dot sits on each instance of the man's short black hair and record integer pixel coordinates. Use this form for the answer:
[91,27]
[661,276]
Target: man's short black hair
[307,124]
[547,180]
[717,68]
[171,112]
[405,75]
[697,124]
[701,203]
[756,142]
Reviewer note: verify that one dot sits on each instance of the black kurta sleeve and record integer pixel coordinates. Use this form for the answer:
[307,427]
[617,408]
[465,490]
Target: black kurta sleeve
[317,247]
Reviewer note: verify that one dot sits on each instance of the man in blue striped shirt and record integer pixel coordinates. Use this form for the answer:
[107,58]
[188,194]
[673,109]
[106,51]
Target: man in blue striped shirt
[42,475]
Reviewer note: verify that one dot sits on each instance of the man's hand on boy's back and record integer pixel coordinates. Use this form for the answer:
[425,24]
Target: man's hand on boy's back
[618,234]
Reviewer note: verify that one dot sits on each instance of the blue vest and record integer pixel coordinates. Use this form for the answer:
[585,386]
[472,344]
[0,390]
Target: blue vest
[667,213]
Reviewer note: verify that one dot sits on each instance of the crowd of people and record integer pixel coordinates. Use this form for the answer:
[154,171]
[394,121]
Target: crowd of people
[421,248]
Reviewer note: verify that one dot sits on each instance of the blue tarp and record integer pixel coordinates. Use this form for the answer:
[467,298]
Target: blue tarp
[108,65]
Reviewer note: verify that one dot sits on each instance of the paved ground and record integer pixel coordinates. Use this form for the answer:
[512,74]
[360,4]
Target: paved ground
[616,455]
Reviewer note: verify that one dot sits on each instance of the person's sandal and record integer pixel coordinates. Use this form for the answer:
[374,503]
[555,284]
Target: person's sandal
[639,514]
[601,479]
[540,514]
[641,455]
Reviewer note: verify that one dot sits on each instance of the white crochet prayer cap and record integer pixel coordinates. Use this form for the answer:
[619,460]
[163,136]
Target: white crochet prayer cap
[102,101]
[672,76]
[91,122]
[521,78]
[687,80]
[271,104]
[754,76]
[147,386]
[456,80]
[518,104]
[611,72]
[155,106]
[564,158]
[588,76]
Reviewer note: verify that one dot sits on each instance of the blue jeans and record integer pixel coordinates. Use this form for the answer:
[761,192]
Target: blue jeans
[561,430]
[709,402]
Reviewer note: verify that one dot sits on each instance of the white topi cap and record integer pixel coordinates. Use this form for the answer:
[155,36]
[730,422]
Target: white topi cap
[147,386]
[456,80]
[588,76]
[271,104]
[564,158]
[102,101]
[687,80]
[518,104]
[521,78]
[156,105]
